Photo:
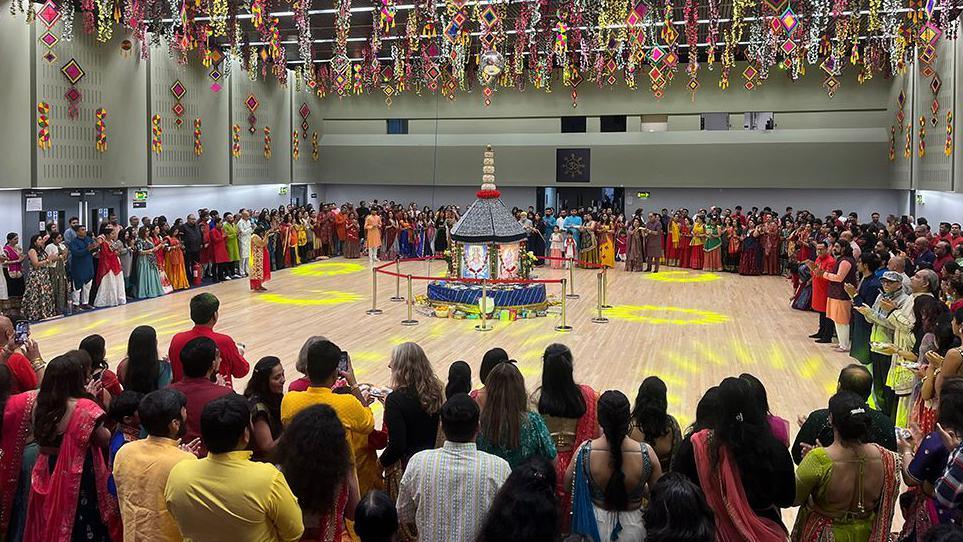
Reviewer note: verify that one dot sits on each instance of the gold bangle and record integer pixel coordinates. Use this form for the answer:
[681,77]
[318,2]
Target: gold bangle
[37,364]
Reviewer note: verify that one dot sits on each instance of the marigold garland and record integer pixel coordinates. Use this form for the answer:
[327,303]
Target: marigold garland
[198,145]
[908,146]
[101,129]
[267,142]
[892,143]
[921,152]
[156,142]
[315,150]
[43,125]
[295,146]
[948,146]
[236,141]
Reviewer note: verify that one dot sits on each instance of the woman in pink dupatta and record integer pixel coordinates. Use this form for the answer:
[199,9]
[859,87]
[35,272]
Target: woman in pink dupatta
[68,494]
[14,434]
[745,473]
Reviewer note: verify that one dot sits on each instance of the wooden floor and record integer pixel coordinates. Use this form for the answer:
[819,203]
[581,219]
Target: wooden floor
[690,328]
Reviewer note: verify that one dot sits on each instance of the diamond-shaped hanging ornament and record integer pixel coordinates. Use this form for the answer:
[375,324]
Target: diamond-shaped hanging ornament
[930,33]
[73,95]
[49,39]
[775,24]
[693,84]
[305,126]
[637,14]
[178,122]
[788,46]
[216,56]
[73,72]
[488,16]
[670,34]
[750,73]
[900,117]
[49,57]
[789,20]
[671,59]
[750,85]
[656,54]
[251,103]
[935,106]
[829,65]
[48,13]
[936,84]
[216,87]
[215,74]
[928,54]
[178,109]
[775,5]
[178,90]
[901,99]
[927,71]
[831,85]
[655,73]
[929,6]
[304,111]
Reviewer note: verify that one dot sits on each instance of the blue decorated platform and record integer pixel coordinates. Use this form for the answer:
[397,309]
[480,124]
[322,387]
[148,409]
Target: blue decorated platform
[506,296]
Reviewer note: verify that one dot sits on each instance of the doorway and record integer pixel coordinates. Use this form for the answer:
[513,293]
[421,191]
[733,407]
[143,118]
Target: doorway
[299,194]
[93,207]
[583,197]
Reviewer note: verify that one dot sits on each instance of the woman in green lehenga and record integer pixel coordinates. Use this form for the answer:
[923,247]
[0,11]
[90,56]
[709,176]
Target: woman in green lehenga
[58,272]
[588,250]
[712,261]
[38,297]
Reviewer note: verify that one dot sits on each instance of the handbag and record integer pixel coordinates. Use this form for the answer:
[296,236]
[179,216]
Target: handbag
[584,526]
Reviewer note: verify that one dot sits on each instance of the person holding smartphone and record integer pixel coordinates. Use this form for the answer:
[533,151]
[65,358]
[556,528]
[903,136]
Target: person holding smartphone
[21,355]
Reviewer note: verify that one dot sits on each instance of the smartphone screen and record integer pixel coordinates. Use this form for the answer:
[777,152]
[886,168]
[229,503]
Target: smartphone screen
[343,362]
[22,332]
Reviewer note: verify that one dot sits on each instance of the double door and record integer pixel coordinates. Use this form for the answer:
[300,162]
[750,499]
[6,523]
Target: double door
[92,207]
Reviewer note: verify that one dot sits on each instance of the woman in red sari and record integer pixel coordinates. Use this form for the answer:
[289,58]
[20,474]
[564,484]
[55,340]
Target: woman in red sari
[260,261]
[207,250]
[219,244]
[746,474]
[68,493]
[569,411]
[770,247]
[352,243]
[685,240]
[14,438]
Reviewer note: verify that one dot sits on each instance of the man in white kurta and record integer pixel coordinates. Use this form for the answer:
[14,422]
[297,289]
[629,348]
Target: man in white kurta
[244,231]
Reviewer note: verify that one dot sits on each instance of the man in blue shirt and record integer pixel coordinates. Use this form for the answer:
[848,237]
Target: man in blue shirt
[82,250]
[572,224]
[550,221]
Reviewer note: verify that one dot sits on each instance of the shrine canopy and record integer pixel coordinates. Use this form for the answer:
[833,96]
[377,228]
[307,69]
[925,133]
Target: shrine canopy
[488,220]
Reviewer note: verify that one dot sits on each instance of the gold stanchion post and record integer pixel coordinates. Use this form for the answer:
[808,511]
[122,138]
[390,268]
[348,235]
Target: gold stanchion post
[374,310]
[571,280]
[599,319]
[605,288]
[563,327]
[397,297]
[483,309]
[410,321]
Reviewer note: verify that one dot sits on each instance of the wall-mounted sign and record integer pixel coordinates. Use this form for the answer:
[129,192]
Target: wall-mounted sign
[314,196]
[90,193]
[643,195]
[140,195]
[283,191]
[34,204]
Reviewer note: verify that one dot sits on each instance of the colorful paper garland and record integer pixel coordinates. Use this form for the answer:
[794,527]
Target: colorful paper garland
[921,152]
[948,146]
[156,141]
[236,141]
[315,150]
[43,126]
[101,129]
[267,142]
[295,146]
[198,145]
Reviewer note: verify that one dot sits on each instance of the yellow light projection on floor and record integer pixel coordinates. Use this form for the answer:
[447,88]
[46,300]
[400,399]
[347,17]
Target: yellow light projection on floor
[317,298]
[681,276]
[665,314]
[327,269]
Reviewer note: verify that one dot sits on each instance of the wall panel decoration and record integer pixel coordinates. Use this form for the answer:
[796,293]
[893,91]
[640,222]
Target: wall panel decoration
[306,119]
[899,119]
[112,79]
[272,110]
[934,73]
[179,164]
[16,106]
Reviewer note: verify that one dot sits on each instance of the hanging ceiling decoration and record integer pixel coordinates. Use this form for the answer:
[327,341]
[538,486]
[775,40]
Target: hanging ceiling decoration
[389,47]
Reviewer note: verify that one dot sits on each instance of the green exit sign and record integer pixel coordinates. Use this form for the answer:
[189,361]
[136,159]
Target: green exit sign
[643,195]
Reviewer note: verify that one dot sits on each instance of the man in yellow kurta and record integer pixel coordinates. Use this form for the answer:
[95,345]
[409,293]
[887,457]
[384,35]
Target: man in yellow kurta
[351,408]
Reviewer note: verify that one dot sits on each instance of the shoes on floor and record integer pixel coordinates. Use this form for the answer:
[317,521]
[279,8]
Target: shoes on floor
[814,335]
[824,341]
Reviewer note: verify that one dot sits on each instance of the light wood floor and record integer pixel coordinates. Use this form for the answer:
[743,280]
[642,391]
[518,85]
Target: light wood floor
[690,328]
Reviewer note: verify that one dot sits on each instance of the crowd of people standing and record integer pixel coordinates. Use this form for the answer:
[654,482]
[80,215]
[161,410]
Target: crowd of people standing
[166,449]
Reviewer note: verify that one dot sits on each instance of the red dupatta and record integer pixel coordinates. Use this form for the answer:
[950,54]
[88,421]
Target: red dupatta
[108,263]
[54,493]
[16,428]
[720,480]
